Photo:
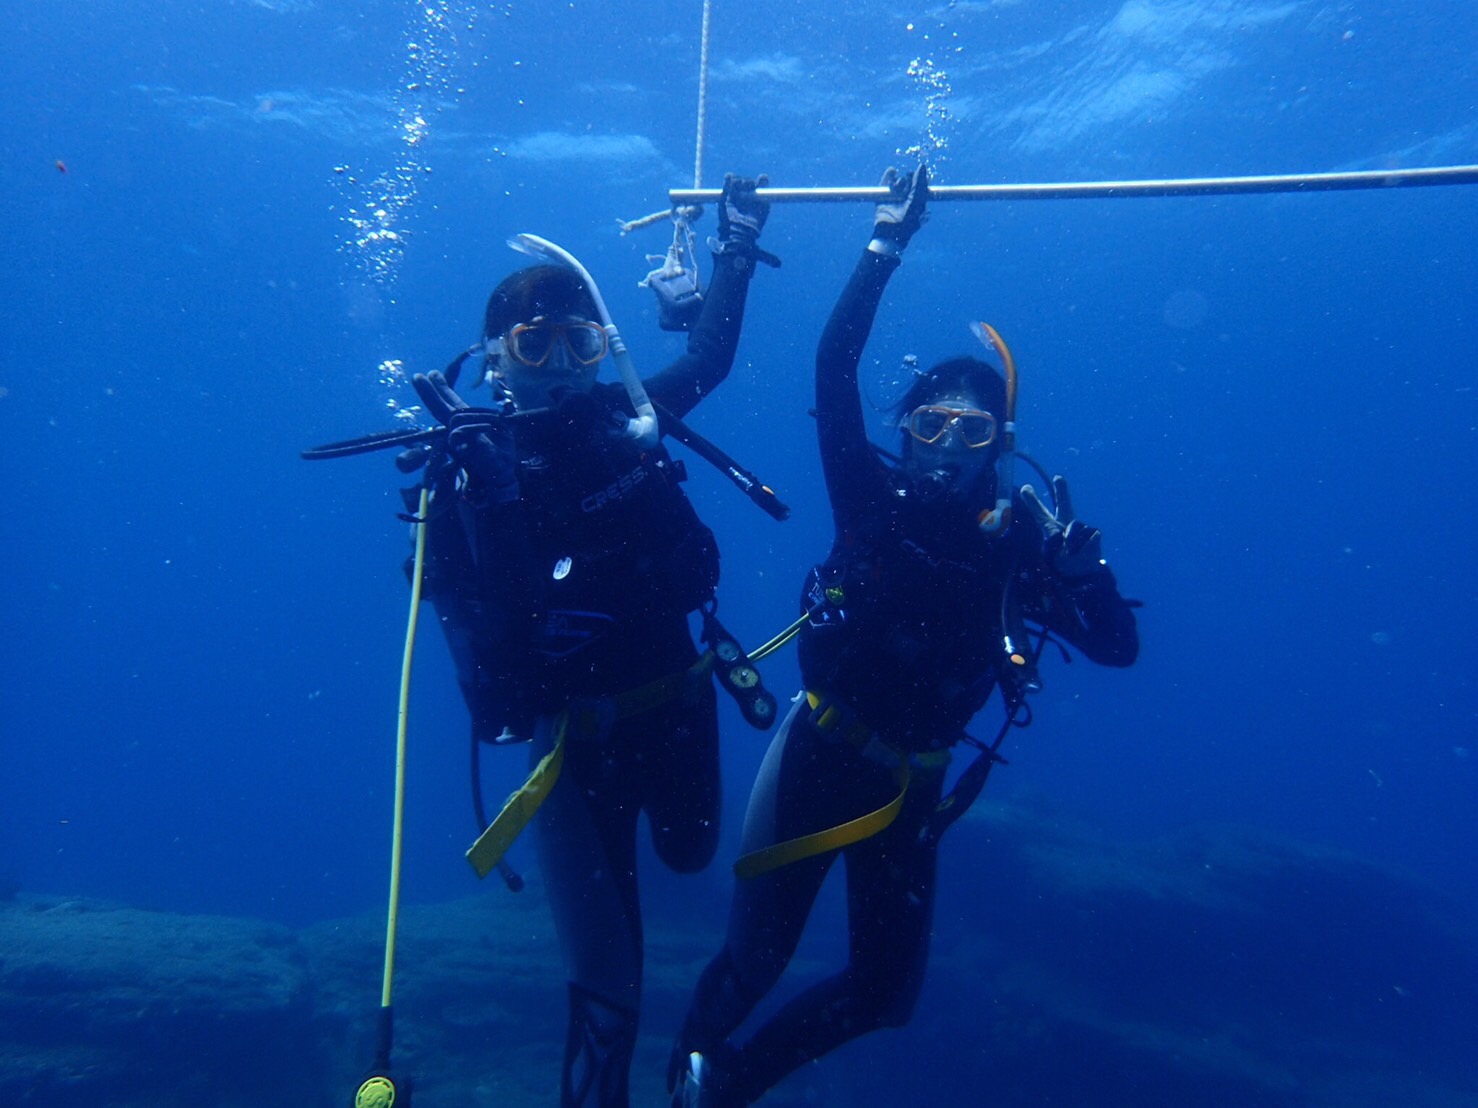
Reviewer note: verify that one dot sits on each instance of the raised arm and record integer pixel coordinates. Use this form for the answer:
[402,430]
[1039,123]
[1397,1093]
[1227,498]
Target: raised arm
[714,339]
[855,478]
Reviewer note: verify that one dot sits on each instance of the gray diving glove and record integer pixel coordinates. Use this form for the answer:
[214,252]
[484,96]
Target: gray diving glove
[899,218]
[478,439]
[741,218]
[1070,546]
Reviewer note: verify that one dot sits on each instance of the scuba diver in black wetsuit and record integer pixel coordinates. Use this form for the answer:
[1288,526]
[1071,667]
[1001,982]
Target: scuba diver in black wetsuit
[917,614]
[564,576]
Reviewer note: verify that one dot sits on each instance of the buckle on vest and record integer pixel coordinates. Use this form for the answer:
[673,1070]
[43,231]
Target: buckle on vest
[591,718]
[833,718]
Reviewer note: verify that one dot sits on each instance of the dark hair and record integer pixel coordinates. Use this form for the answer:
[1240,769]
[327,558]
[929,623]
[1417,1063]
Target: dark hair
[964,374]
[547,290]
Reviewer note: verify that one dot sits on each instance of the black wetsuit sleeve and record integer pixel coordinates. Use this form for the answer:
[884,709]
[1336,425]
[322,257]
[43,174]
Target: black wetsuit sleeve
[713,341]
[1089,613]
[1111,633]
[855,478]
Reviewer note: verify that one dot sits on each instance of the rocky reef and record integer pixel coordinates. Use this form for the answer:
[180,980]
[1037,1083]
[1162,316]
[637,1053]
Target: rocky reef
[1218,968]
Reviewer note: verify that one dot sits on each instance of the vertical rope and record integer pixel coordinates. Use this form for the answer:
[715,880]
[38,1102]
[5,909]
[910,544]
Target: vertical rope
[702,98]
[397,839]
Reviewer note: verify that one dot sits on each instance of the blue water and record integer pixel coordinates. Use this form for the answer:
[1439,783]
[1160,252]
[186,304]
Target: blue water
[1266,403]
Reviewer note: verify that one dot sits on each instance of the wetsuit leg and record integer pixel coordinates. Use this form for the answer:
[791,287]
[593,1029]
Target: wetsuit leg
[769,912]
[890,907]
[680,778]
[585,834]
[810,781]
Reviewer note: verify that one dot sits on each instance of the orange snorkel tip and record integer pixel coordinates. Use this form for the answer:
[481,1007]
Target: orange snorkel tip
[996,520]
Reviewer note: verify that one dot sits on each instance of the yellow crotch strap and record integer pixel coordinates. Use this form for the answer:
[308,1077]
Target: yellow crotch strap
[844,834]
[519,809]
[683,684]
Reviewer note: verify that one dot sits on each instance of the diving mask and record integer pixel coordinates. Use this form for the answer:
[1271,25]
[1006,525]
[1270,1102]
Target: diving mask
[929,423]
[533,344]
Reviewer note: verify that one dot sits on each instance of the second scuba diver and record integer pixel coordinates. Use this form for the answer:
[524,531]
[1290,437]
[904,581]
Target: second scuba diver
[917,614]
[563,576]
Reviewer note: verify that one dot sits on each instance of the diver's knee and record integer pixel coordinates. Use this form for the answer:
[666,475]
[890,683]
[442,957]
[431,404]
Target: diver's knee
[750,978]
[898,1013]
[687,849]
[895,1004]
[690,861]
[724,997]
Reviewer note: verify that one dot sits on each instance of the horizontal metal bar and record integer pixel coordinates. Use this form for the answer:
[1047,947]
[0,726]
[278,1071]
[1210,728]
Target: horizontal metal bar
[1085,190]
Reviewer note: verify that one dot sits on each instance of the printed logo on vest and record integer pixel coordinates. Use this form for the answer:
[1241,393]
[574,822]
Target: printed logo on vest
[615,490]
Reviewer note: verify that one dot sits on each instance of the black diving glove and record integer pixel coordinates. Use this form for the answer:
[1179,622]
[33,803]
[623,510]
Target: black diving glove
[478,439]
[899,218]
[1070,546]
[741,218]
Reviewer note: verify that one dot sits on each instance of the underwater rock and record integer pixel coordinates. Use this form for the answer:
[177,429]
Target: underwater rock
[103,1004]
[479,998]
[1220,967]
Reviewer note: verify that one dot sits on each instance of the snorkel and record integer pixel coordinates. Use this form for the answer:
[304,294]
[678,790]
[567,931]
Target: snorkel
[1019,672]
[995,521]
[642,429]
